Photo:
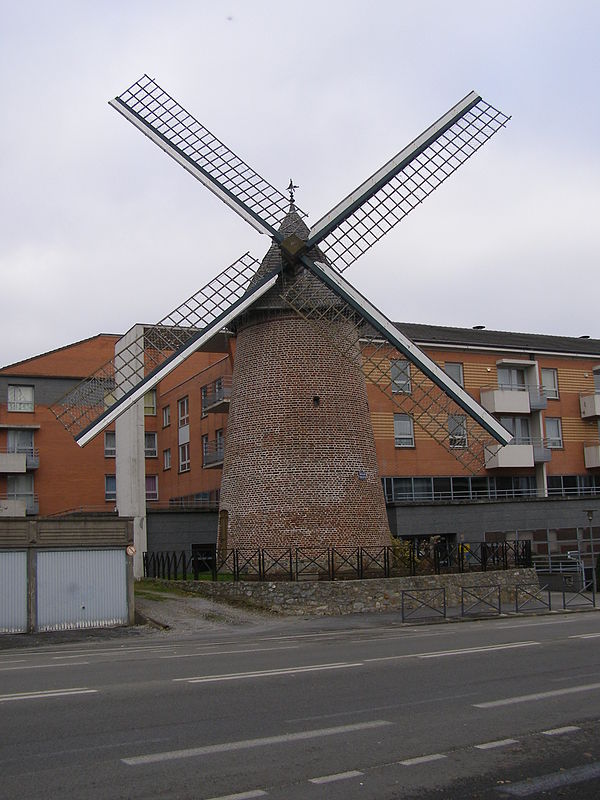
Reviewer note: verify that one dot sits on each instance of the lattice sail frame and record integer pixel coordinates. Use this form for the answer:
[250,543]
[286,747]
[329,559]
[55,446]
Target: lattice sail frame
[425,169]
[187,140]
[84,404]
[430,408]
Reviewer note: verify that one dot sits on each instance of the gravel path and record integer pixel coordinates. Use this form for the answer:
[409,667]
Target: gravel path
[189,613]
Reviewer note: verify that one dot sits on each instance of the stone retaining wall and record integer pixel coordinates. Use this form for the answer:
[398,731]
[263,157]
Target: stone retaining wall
[329,598]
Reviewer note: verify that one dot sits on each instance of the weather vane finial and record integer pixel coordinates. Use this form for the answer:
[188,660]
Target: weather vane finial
[291,188]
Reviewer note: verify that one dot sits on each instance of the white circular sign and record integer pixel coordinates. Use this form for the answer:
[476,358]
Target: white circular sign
[130,550]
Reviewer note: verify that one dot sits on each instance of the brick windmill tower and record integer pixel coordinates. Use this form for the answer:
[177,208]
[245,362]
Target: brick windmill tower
[300,466]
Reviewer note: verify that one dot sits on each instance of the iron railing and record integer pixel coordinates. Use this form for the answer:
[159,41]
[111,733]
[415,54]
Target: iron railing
[337,563]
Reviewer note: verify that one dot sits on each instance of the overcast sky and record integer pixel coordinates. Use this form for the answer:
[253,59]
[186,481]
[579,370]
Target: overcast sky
[99,229]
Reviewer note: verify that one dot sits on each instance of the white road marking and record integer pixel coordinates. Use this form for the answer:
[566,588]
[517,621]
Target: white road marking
[560,731]
[483,649]
[241,795]
[339,776]
[246,744]
[409,762]
[267,673]
[43,666]
[498,743]
[6,698]
[554,780]
[464,651]
[230,652]
[525,698]
[14,661]
[585,636]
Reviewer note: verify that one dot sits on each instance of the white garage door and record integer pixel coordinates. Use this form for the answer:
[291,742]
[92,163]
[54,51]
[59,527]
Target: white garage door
[81,589]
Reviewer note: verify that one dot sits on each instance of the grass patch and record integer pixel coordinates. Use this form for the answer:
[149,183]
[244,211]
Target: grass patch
[147,587]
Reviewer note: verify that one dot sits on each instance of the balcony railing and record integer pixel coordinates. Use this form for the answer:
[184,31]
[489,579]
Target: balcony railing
[215,398]
[508,398]
[16,504]
[590,405]
[19,459]
[213,453]
[591,454]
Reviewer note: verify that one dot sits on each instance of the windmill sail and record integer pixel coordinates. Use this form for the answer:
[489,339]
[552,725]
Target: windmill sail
[436,403]
[160,117]
[368,213]
[148,358]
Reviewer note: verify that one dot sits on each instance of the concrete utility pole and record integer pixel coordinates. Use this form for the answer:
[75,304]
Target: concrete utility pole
[130,458]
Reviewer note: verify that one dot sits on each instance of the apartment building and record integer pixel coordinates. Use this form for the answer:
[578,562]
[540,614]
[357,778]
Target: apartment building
[544,389]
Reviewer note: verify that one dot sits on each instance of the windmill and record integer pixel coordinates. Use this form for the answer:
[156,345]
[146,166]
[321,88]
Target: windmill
[300,465]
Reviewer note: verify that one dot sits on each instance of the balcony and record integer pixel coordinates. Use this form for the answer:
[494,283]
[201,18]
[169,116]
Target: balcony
[16,460]
[591,455]
[18,505]
[215,396]
[509,399]
[213,454]
[510,456]
[590,405]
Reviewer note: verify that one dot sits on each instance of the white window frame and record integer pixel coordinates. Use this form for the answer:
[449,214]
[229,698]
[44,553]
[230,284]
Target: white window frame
[150,451]
[151,494]
[184,457]
[403,440]
[449,366]
[167,458]
[109,494]
[550,389]
[400,376]
[110,451]
[21,398]
[554,442]
[183,411]
[166,416]
[457,431]
[13,445]
[150,403]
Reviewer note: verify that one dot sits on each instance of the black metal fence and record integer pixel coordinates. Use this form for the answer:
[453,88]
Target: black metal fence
[404,558]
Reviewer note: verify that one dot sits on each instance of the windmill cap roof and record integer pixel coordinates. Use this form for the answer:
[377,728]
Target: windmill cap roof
[294,224]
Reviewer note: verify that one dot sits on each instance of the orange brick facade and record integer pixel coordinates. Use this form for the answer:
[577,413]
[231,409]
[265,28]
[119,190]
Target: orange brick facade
[63,477]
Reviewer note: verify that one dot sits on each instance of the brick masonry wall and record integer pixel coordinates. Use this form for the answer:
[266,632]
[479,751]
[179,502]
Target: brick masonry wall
[300,463]
[332,598]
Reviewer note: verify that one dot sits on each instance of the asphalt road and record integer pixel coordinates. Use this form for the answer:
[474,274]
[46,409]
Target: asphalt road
[309,709]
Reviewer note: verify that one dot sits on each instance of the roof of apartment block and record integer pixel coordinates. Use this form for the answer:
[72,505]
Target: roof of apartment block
[499,340]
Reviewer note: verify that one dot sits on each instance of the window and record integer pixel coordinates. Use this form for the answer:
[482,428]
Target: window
[204,394]
[20,487]
[150,445]
[550,383]
[403,431]
[151,487]
[110,487]
[167,458]
[457,430]
[455,370]
[511,378]
[519,427]
[400,374]
[184,457]
[20,441]
[204,447]
[166,416]
[220,442]
[110,444]
[20,398]
[150,403]
[597,380]
[183,407]
[554,432]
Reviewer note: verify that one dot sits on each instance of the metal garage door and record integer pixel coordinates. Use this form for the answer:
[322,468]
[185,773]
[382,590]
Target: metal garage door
[81,589]
[13,591]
